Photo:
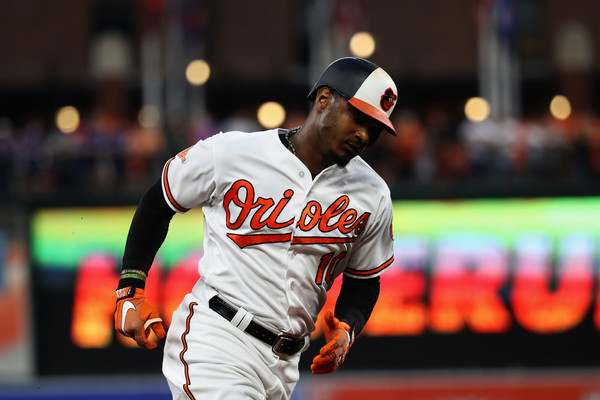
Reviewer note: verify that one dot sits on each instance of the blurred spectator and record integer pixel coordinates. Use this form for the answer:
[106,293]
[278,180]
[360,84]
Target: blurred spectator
[487,145]
[243,120]
[26,163]
[590,152]
[144,155]
[104,149]
[6,153]
[65,160]
[398,156]
[201,126]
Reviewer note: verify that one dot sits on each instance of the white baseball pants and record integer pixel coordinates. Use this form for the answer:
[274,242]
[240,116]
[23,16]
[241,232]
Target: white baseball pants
[207,358]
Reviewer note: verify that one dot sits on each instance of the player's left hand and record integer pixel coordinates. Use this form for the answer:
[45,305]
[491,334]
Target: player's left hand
[339,339]
[135,317]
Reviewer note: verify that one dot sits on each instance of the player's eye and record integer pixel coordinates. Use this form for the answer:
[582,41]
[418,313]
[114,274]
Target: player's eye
[374,134]
[374,127]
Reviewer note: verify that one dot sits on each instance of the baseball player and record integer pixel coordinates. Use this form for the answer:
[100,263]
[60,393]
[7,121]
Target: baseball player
[285,213]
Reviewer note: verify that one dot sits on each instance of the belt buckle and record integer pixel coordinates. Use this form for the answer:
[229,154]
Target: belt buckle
[280,341]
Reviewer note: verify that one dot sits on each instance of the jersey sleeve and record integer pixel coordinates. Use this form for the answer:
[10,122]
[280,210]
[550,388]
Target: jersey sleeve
[188,179]
[374,251]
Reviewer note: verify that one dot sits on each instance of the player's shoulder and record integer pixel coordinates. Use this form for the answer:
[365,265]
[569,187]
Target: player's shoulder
[361,172]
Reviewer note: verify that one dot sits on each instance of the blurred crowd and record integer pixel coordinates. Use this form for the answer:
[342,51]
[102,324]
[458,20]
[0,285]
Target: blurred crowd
[434,148]
[103,153]
[107,153]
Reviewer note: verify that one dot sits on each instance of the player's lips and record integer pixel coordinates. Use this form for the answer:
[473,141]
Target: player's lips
[354,147]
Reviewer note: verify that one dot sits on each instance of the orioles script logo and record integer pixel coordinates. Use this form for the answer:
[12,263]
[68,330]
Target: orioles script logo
[265,212]
[248,204]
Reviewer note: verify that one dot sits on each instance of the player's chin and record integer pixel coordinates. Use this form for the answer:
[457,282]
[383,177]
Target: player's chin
[344,155]
[343,159]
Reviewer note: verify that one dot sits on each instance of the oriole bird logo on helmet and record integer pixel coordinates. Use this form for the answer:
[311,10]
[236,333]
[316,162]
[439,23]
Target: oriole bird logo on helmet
[387,99]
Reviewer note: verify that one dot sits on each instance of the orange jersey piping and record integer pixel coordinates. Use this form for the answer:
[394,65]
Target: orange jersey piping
[370,272]
[168,189]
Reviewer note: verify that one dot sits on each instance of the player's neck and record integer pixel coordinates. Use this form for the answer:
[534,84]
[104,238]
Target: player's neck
[306,149]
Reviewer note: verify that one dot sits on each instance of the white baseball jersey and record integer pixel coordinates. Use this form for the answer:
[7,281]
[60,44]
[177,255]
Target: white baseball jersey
[275,238]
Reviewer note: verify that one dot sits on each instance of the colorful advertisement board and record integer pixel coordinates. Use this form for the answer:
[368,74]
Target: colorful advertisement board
[475,283]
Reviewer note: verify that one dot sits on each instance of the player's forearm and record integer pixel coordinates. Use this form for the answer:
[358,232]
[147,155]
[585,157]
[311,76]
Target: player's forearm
[356,301]
[147,232]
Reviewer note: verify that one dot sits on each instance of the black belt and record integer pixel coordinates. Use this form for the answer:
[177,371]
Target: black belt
[279,343]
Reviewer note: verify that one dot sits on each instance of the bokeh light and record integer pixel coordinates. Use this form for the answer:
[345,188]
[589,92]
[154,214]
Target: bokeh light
[67,119]
[560,107]
[149,116]
[477,109]
[271,114]
[362,44]
[197,72]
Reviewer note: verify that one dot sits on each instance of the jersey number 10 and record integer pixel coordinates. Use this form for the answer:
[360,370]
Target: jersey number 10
[327,267]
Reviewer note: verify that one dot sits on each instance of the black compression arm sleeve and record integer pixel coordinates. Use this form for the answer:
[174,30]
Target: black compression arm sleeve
[356,301]
[147,232]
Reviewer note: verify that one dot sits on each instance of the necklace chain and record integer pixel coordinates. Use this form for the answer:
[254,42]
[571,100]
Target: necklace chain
[288,136]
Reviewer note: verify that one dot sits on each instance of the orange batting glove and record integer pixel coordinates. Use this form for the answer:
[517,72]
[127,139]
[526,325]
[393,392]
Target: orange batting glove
[135,317]
[340,339]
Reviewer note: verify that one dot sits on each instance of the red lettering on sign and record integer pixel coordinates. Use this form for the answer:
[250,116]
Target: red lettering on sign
[94,299]
[465,290]
[462,291]
[540,308]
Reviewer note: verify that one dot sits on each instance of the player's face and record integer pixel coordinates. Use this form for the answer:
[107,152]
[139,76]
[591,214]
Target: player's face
[345,132]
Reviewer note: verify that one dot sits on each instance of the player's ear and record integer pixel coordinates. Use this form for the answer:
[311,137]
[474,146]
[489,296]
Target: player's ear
[323,97]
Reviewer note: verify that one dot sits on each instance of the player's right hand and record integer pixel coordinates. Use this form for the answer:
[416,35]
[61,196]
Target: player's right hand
[135,317]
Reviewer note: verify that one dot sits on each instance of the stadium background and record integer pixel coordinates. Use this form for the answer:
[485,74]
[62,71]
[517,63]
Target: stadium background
[494,292]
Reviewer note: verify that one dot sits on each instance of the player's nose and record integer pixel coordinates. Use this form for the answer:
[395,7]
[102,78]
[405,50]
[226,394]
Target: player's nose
[362,134]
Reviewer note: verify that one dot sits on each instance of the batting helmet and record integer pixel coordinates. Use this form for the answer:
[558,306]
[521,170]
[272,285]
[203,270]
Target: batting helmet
[364,85]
